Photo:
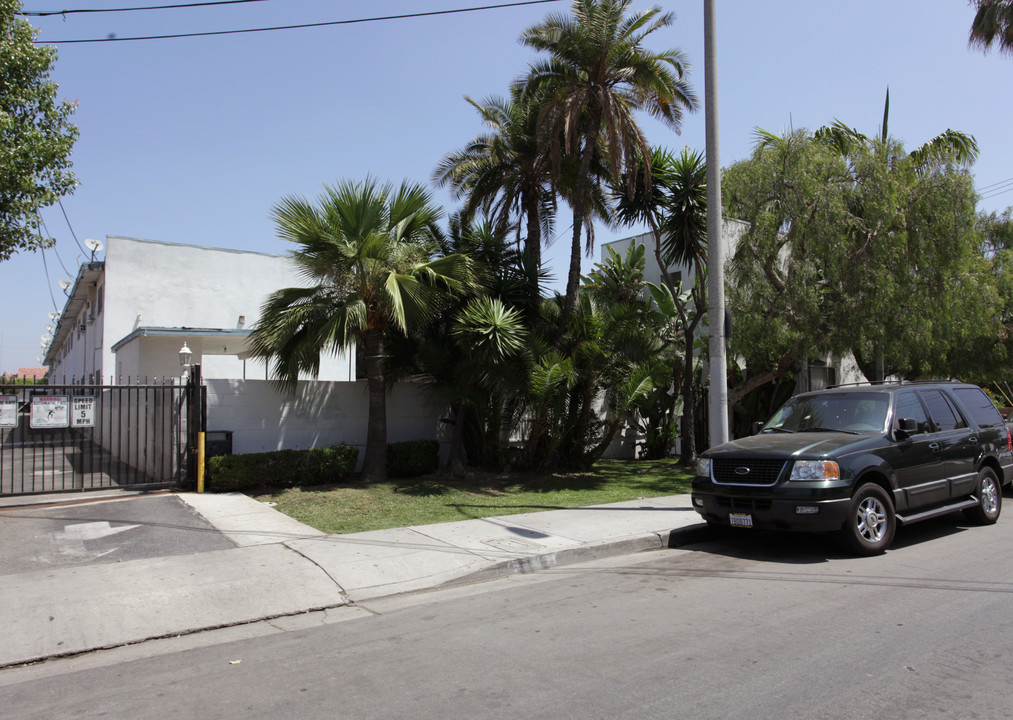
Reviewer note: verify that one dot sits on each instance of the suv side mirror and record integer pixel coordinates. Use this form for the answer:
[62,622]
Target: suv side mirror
[906,427]
[756,427]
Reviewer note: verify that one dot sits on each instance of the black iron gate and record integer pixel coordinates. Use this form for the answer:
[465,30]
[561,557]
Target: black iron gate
[58,438]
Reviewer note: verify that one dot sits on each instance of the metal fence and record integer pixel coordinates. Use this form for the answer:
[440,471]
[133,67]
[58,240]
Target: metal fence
[76,436]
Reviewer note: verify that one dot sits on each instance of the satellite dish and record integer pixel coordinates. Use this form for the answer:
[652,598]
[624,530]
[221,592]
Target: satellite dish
[65,285]
[54,315]
[49,329]
[93,245]
[46,338]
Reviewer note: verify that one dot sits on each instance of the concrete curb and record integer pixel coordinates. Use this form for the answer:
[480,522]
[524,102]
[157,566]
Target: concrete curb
[626,546]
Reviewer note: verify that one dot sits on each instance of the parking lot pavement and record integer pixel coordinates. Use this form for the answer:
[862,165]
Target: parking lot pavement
[36,537]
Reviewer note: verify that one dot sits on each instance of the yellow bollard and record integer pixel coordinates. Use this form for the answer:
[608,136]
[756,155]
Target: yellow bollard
[200,462]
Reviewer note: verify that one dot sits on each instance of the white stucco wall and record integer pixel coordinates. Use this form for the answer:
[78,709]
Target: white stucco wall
[165,285]
[262,418]
[731,231]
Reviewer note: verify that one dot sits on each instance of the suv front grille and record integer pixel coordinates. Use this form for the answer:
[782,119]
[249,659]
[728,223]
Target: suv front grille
[746,472]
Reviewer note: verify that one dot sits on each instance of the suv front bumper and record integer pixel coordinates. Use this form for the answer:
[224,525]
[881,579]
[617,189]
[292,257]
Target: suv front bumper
[774,513]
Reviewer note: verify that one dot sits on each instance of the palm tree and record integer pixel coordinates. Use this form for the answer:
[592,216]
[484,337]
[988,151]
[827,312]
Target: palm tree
[992,24]
[368,252]
[675,207]
[506,174]
[597,75]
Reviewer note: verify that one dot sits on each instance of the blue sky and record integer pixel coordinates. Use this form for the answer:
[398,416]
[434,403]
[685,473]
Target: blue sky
[194,140]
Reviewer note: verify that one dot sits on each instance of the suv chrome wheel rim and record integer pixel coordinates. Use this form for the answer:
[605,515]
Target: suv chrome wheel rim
[989,501]
[871,519]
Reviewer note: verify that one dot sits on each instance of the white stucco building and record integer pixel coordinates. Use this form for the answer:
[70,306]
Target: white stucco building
[127,317]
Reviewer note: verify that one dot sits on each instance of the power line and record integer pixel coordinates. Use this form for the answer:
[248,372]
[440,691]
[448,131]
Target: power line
[49,283]
[47,13]
[73,234]
[992,185]
[298,27]
[996,194]
[50,235]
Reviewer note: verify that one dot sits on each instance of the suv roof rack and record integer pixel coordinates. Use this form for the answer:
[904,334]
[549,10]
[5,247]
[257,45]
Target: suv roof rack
[893,382]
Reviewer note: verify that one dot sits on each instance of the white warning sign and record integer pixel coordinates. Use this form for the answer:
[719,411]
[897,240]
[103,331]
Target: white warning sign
[8,410]
[50,411]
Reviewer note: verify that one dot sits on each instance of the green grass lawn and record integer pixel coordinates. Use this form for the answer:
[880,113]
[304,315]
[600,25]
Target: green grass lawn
[351,507]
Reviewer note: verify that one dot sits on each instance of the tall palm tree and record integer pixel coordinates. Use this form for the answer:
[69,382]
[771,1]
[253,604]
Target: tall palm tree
[992,25]
[675,207]
[506,174]
[368,252]
[597,75]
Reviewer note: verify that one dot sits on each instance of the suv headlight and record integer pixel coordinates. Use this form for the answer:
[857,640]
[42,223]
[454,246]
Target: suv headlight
[815,470]
[703,467]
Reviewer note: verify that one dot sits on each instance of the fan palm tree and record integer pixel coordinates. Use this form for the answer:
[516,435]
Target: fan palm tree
[368,252]
[597,75]
[992,25]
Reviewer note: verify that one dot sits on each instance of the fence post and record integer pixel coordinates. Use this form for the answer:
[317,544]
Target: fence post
[196,420]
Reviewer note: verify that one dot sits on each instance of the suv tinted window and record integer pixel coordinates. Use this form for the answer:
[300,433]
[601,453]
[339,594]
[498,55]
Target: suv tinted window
[908,406]
[982,410]
[942,413]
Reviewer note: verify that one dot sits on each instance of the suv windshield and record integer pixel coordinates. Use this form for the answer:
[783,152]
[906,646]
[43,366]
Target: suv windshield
[837,412]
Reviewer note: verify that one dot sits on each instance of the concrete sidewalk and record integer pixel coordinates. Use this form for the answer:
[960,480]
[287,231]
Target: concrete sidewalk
[281,567]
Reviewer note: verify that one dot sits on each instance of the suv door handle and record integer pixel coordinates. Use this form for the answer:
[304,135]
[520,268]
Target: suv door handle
[933,446]
[973,440]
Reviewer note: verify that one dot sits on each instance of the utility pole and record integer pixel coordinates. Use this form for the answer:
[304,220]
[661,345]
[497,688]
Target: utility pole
[718,394]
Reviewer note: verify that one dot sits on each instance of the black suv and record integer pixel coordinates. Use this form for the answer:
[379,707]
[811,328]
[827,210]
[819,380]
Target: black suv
[859,460]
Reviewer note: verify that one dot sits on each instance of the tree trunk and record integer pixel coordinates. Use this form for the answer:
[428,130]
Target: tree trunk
[374,465]
[532,254]
[688,456]
[579,209]
[457,464]
[783,366]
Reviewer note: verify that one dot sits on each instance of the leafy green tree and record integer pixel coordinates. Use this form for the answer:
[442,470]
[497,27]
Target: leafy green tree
[369,252]
[992,25]
[597,75]
[988,358]
[854,147]
[36,135]
[850,252]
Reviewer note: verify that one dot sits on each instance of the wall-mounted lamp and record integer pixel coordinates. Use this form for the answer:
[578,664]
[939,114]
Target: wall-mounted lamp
[184,358]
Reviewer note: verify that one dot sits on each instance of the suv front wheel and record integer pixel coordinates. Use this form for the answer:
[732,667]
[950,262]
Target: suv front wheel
[871,521]
[988,492]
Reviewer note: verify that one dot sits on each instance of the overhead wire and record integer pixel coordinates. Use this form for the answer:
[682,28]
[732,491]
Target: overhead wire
[49,282]
[47,13]
[50,235]
[997,189]
[1000,182]
[73,234]
[330,23]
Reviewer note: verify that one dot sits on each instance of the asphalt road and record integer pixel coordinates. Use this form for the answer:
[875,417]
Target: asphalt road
[748,626]
[137,527]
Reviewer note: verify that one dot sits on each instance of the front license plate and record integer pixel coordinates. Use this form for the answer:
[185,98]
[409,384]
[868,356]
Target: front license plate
[740,520]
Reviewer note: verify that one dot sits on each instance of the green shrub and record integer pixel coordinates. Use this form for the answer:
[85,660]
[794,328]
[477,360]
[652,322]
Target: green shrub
[280,468]
[414,457]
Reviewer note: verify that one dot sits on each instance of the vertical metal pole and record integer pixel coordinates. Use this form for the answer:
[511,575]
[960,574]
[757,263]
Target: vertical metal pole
[718,394]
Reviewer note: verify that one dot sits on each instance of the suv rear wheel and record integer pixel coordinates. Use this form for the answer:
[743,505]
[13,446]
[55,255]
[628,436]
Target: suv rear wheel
[989,495]
[871,521]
